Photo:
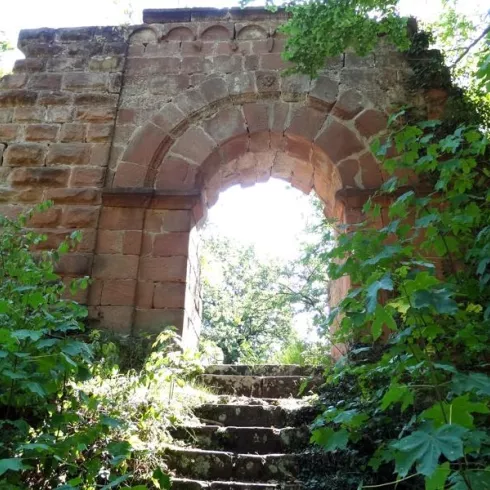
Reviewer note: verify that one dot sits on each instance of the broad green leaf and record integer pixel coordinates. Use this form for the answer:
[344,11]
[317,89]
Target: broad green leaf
[385,283]
[161,480]
[116,482]
[351,418]
[397,394]
[381,318]
[479,480]
[457,412]
[424,448]
[438,480]
[36,388]
[478,383]
[23,334]
[438,299]
[329,439]
[12,464]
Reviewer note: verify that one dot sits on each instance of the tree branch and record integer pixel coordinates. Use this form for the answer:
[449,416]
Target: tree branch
[472,45]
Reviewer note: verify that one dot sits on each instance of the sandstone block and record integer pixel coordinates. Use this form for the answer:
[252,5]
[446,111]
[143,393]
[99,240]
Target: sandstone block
[95,99]
[50,217]
[131,242]
[306,122]
[226,124]
[257,116]
[325,90]
[267,81]
[96,114]
[80,216]
[118,292]
[25,154]
[9,132]
[371,171]
[14,98]
[115,318]
[171,244]
[87,177]
[68,154]
[168,221]
[156,320]
[41,132]
[52,177]
[45,81]
[349,170]
[169,295]
[130,175]
[371,122]
[144,144]
[170,269]
[338,141]
[175,174]
[194,145]
[85,81]
[73,133]
[74,264]
[74,196]
[29,114]
[110,241]
[115,266]
[121,218]
[55,98]
[29,65]
[348,105]
[99,133]
[214,89]
[13,81]
[59,114]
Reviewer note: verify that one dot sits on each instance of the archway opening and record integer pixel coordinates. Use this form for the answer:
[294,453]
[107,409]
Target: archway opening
[264,292]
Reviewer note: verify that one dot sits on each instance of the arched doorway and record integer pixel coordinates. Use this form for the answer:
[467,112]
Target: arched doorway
[173,170]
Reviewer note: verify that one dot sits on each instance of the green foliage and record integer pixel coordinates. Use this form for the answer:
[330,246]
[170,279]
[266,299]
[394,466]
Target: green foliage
[244,310]
[47,424]
[357,24]
[148,401]
[422,282]
[70,418]
[303,352]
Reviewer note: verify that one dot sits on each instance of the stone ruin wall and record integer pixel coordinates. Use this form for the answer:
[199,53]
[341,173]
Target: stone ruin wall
[134,131]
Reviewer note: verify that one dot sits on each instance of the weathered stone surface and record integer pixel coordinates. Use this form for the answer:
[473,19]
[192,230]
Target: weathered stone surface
[254,386]
[256,440]
[172,114]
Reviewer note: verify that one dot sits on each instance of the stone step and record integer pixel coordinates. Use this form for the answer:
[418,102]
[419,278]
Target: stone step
[253,386]
[263,370]
[227,466]
[186,484]
[256,440]
[245,415]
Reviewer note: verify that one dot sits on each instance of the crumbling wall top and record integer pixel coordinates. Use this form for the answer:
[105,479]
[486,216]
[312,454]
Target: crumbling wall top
[200,14]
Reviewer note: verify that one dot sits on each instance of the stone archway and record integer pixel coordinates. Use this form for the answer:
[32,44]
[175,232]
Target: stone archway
[134,131]
[313,143]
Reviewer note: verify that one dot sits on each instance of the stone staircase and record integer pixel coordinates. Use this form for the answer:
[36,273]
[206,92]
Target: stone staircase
[252,437]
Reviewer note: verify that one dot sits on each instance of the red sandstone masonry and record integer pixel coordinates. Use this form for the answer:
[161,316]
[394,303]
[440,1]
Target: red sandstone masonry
[134,132]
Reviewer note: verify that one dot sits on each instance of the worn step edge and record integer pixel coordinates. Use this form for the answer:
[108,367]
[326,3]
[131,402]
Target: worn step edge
[213,465]
[263,369]
[187,484]
[254,386]
[244,415]
[245,440]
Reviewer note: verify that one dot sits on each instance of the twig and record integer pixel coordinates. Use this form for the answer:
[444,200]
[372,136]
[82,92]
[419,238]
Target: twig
[473,44]
[391,482]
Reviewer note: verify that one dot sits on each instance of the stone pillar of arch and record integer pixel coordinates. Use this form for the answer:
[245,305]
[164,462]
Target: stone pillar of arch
[134,132]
